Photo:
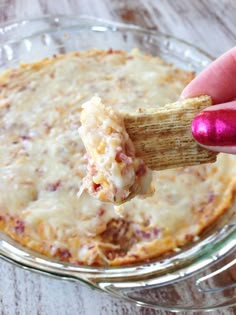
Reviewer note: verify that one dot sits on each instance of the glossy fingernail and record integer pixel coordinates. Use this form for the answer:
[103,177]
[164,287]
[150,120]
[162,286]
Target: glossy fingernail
[215,127]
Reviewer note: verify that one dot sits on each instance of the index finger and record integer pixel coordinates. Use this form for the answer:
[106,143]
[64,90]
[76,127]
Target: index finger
[218,80]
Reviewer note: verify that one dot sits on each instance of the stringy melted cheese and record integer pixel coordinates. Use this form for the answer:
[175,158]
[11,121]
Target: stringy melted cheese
[43,162]
[114,173]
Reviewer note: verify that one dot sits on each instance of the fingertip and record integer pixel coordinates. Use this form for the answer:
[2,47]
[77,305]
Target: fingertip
[185,94]
[215,128]
[219,149]
[218,80]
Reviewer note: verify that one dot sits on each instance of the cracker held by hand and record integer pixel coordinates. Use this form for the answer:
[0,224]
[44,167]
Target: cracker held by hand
[162,137]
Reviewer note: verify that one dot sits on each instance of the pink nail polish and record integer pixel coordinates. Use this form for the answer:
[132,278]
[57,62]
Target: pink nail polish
[215,127]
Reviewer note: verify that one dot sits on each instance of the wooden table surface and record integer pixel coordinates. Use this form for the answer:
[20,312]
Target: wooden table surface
[210,24]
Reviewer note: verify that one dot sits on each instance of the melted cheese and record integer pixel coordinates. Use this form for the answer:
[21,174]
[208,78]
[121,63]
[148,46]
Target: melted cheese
[115,174]
[43,162]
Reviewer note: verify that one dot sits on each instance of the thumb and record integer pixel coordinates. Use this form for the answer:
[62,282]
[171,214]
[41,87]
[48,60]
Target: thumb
[215,128]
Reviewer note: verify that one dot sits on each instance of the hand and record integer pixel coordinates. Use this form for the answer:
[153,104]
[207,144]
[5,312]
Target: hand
[215,127]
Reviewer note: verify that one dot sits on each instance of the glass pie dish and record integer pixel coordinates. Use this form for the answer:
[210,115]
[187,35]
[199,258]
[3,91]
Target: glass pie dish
[155,284]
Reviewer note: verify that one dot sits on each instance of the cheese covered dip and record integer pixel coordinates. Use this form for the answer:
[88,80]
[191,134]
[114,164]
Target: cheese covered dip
[114,173]
[43,163]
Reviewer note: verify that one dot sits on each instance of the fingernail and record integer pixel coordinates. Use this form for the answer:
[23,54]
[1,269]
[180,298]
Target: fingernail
[181,98]
[215,127]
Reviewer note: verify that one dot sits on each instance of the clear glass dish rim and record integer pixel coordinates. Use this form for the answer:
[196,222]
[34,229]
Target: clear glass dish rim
[103,22]
[123,276]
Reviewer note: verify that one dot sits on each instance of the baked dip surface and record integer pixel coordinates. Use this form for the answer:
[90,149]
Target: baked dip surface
[43,162]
